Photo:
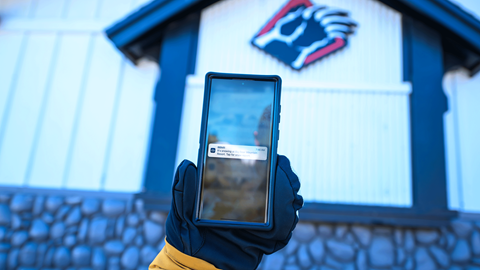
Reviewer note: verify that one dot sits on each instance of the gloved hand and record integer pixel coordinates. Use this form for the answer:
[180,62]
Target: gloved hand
[231,248]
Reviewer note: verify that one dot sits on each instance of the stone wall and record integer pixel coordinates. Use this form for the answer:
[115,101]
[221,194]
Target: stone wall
[72,232]
[343,246]
[39,230]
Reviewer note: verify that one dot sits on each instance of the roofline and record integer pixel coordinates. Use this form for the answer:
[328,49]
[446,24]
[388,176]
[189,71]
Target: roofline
[447,15]
[138,23]
[154,15]
[157,14]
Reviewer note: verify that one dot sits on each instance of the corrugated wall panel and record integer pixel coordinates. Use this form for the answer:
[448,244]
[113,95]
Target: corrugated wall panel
[373,53]
[348,144]
[452,160]
[348,147]
[468,98]
[462,125]
[463,131]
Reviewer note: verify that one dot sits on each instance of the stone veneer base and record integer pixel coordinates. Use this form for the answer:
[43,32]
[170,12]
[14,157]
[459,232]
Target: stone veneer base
[57,229]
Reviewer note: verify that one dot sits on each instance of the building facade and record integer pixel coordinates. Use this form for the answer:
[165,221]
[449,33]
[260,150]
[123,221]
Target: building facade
[382,131]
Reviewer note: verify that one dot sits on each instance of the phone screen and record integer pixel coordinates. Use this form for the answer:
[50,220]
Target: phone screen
[238,150]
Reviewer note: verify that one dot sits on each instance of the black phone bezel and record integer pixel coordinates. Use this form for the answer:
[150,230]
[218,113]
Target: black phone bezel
[273,153]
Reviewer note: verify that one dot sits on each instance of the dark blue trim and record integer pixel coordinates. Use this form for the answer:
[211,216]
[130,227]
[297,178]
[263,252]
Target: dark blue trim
[177,59]
[406,50]
[460,31]
[376,215]
[145,19]
[153,17]
[424,68]
[449,16]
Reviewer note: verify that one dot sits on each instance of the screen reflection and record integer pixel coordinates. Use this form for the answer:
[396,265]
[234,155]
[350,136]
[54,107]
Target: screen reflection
[237,160]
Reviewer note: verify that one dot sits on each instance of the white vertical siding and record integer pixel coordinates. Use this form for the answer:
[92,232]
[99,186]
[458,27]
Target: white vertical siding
[462,130]
[12,47]
[113,9]
[347,143]
[348,146]
[373,53]
[16,8]
[132,124]
[188,141]
[73,113]
[90,141]
[82,9]
[345,118]
[452,161]
[462,125]
[21,120]
[49,9]
[50,154]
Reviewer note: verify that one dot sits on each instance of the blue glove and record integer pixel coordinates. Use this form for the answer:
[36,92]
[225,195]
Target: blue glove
[232,248]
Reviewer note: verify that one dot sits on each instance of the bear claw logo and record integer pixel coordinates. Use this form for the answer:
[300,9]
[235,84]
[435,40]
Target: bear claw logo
[301,33]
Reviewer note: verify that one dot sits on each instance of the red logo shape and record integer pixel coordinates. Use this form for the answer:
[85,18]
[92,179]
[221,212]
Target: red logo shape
[301,33]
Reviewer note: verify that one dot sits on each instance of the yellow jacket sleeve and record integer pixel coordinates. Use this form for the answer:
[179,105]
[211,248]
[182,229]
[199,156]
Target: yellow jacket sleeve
[170,258]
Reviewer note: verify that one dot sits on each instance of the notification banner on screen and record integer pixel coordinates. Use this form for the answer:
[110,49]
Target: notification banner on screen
[237,151]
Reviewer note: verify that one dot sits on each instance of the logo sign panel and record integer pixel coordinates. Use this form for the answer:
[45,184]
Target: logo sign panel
[301,33]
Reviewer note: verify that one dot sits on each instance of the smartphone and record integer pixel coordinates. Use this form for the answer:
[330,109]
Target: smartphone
[238,151]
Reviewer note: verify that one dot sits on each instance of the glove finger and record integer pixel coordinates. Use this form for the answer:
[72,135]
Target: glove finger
[175,223]
[284,164]
[184,190]
[183,204]
[177,197]
[286,203]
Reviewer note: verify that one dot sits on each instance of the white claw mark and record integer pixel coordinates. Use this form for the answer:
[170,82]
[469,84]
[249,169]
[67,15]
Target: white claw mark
[335,23]
[305,52]
[275,33]
[308,12]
